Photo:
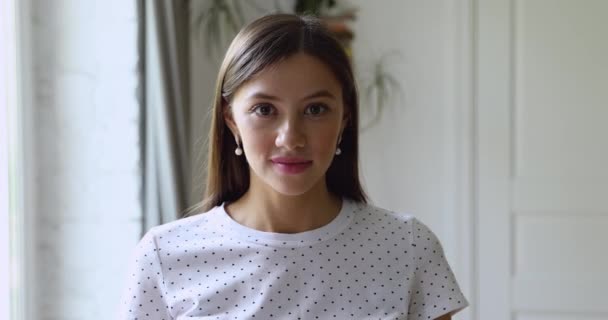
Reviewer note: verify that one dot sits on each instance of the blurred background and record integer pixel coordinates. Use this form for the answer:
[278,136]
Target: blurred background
[486,119]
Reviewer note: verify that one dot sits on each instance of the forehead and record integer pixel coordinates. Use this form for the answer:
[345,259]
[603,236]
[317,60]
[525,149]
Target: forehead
[295,76]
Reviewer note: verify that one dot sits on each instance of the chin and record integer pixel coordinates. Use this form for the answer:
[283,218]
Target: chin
[291,187]
[290,190]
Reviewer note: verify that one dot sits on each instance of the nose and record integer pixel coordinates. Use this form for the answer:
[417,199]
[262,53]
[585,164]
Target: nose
[290,135]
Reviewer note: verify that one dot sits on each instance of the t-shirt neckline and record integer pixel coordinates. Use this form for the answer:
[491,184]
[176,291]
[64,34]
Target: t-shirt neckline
[328,231]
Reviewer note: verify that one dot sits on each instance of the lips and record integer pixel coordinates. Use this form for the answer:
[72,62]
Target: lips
[290,165]
[289,160]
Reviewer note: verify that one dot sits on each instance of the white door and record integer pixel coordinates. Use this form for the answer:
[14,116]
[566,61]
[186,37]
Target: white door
[541,94]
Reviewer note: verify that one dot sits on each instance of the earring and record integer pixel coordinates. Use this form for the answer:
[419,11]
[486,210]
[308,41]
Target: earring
[238,151]
[338,150]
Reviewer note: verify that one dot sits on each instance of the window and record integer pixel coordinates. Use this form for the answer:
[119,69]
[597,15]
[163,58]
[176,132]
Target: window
[11,179]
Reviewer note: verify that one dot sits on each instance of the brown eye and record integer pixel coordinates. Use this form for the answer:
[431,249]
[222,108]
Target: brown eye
[263,110]
[316,109]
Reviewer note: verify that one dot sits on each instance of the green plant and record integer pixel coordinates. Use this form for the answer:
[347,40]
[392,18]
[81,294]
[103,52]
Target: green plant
[220,19]
[312,6]
[380,88]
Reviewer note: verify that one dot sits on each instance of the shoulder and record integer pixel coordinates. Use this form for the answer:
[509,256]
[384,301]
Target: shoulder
[404,224]
[375,214]
[183,228]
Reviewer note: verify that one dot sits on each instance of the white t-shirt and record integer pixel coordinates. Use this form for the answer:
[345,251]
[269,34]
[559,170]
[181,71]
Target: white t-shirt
[367,263]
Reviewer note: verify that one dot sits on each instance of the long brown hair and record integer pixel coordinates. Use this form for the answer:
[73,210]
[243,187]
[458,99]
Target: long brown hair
[260,44]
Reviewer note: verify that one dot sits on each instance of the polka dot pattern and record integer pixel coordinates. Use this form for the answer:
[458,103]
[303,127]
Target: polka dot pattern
[367,263]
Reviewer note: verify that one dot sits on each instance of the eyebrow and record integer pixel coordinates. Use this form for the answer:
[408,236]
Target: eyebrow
[318,94]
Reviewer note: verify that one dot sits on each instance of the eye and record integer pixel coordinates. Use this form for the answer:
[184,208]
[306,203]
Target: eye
[316,109]
[263,110]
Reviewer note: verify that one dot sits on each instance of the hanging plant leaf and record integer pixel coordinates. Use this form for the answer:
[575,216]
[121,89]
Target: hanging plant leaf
[218,23]
[382,89]
[312,6]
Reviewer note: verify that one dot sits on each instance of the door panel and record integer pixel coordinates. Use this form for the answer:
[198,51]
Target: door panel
[542,159]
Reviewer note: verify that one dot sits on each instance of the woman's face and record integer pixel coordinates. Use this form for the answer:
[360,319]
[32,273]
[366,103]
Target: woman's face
[289,118]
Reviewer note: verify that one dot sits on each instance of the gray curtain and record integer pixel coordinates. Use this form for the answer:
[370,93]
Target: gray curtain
[166,167]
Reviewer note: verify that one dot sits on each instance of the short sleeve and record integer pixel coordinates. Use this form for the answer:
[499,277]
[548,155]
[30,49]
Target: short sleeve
[144,294]
[434,290]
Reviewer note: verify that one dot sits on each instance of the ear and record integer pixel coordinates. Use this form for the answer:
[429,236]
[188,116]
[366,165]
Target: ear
[229,118]
[345,121]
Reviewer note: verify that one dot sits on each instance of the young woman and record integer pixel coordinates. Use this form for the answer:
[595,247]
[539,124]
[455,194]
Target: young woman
[286,231]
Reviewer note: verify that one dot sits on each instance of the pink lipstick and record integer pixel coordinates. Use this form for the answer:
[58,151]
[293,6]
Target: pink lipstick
[290,165]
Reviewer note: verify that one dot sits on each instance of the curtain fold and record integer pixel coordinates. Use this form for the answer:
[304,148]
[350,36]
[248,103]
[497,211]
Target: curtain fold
[166,164]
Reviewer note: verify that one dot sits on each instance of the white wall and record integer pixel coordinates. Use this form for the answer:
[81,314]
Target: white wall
[85,119]
[402,156]
[9,100]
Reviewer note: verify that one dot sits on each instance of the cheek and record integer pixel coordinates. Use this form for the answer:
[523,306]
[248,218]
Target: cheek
[256,139]
[324,140]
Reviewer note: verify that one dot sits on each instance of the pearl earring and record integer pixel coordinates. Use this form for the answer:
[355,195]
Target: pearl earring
[338,150]
[238,151]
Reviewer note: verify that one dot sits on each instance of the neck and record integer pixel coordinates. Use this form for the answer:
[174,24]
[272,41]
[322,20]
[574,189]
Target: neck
[271,211]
